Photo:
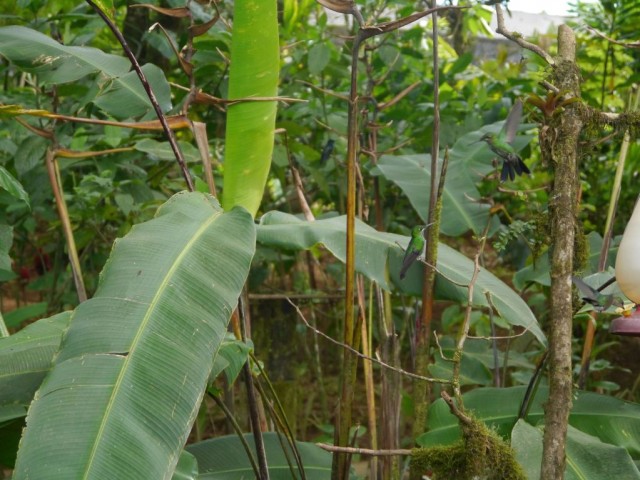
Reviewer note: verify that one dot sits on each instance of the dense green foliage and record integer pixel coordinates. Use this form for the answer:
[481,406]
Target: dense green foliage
[82,153]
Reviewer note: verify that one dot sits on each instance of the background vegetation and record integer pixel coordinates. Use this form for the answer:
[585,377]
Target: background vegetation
[123,381]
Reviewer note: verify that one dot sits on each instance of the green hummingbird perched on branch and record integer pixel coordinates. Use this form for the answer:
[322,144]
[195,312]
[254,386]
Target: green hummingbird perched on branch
[500,144]
[414,249]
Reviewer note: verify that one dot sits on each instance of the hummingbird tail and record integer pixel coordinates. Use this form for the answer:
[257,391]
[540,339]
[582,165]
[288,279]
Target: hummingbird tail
[512,167]
[507,171]
[521,167]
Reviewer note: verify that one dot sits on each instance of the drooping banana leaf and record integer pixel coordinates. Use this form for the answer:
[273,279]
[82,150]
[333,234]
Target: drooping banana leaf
[26,357]
[379,256]
[125,389]
[462,207]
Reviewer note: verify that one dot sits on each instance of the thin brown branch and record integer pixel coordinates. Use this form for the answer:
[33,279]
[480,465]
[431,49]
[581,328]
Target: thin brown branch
[63,212]
[388,150]
[463,333]
[364,451]
[297,180]
[518,38]
[297,296]
[386,27]
[609,39]
[38,131]
[175,122]
[454,408]
[400,96]
[324,90]
[442,355]
[63,152]
[499,337]
[361,355]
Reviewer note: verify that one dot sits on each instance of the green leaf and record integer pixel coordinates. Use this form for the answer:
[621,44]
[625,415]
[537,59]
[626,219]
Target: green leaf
[26,357]
[125,389]
[162,150]
[13,186]
[319,56]
[379,257]
[6,239]
[126,98]
[607,418]
[232,356]
[255,64]
[29,154]
[55,63]
[472,371]
[187,468]
[461,209]
[587,456]
[15,317]
[224,458]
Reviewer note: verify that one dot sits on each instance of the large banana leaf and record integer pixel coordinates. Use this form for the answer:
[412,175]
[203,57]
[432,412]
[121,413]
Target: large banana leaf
[127,383]
[26,357]
[224,458]
[379,256]
[255,64]
[462,209]
[53,62]
[611,420]
[587,456]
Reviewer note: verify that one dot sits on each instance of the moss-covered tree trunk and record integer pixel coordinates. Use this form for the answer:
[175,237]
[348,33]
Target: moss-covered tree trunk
[559,145]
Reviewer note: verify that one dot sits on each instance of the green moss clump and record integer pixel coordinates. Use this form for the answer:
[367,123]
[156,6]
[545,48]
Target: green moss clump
[481,454]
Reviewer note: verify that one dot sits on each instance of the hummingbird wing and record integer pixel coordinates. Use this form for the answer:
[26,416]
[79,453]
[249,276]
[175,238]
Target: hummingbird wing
[587,291]
[513,121]
[409,257]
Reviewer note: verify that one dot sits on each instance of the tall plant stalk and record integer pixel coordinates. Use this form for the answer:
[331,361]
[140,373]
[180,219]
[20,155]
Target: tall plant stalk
[421,390]
[562,153]
[606,240]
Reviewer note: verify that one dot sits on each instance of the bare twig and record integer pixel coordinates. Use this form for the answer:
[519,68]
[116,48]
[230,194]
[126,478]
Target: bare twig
[463,333]
[63,212]
[324,90]
[399,96]
[442,355]
[364,451]
[609,39]
[454,408]
[361,355]
[297,180]
[499,337]
[517,38]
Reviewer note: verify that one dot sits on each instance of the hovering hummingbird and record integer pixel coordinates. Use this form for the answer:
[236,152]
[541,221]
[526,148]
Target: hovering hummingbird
[500,144]
[594,297]
[414,249]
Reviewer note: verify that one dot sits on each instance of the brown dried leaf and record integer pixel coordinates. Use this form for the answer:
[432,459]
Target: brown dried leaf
[340,6]
[203,28]
[180,12]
